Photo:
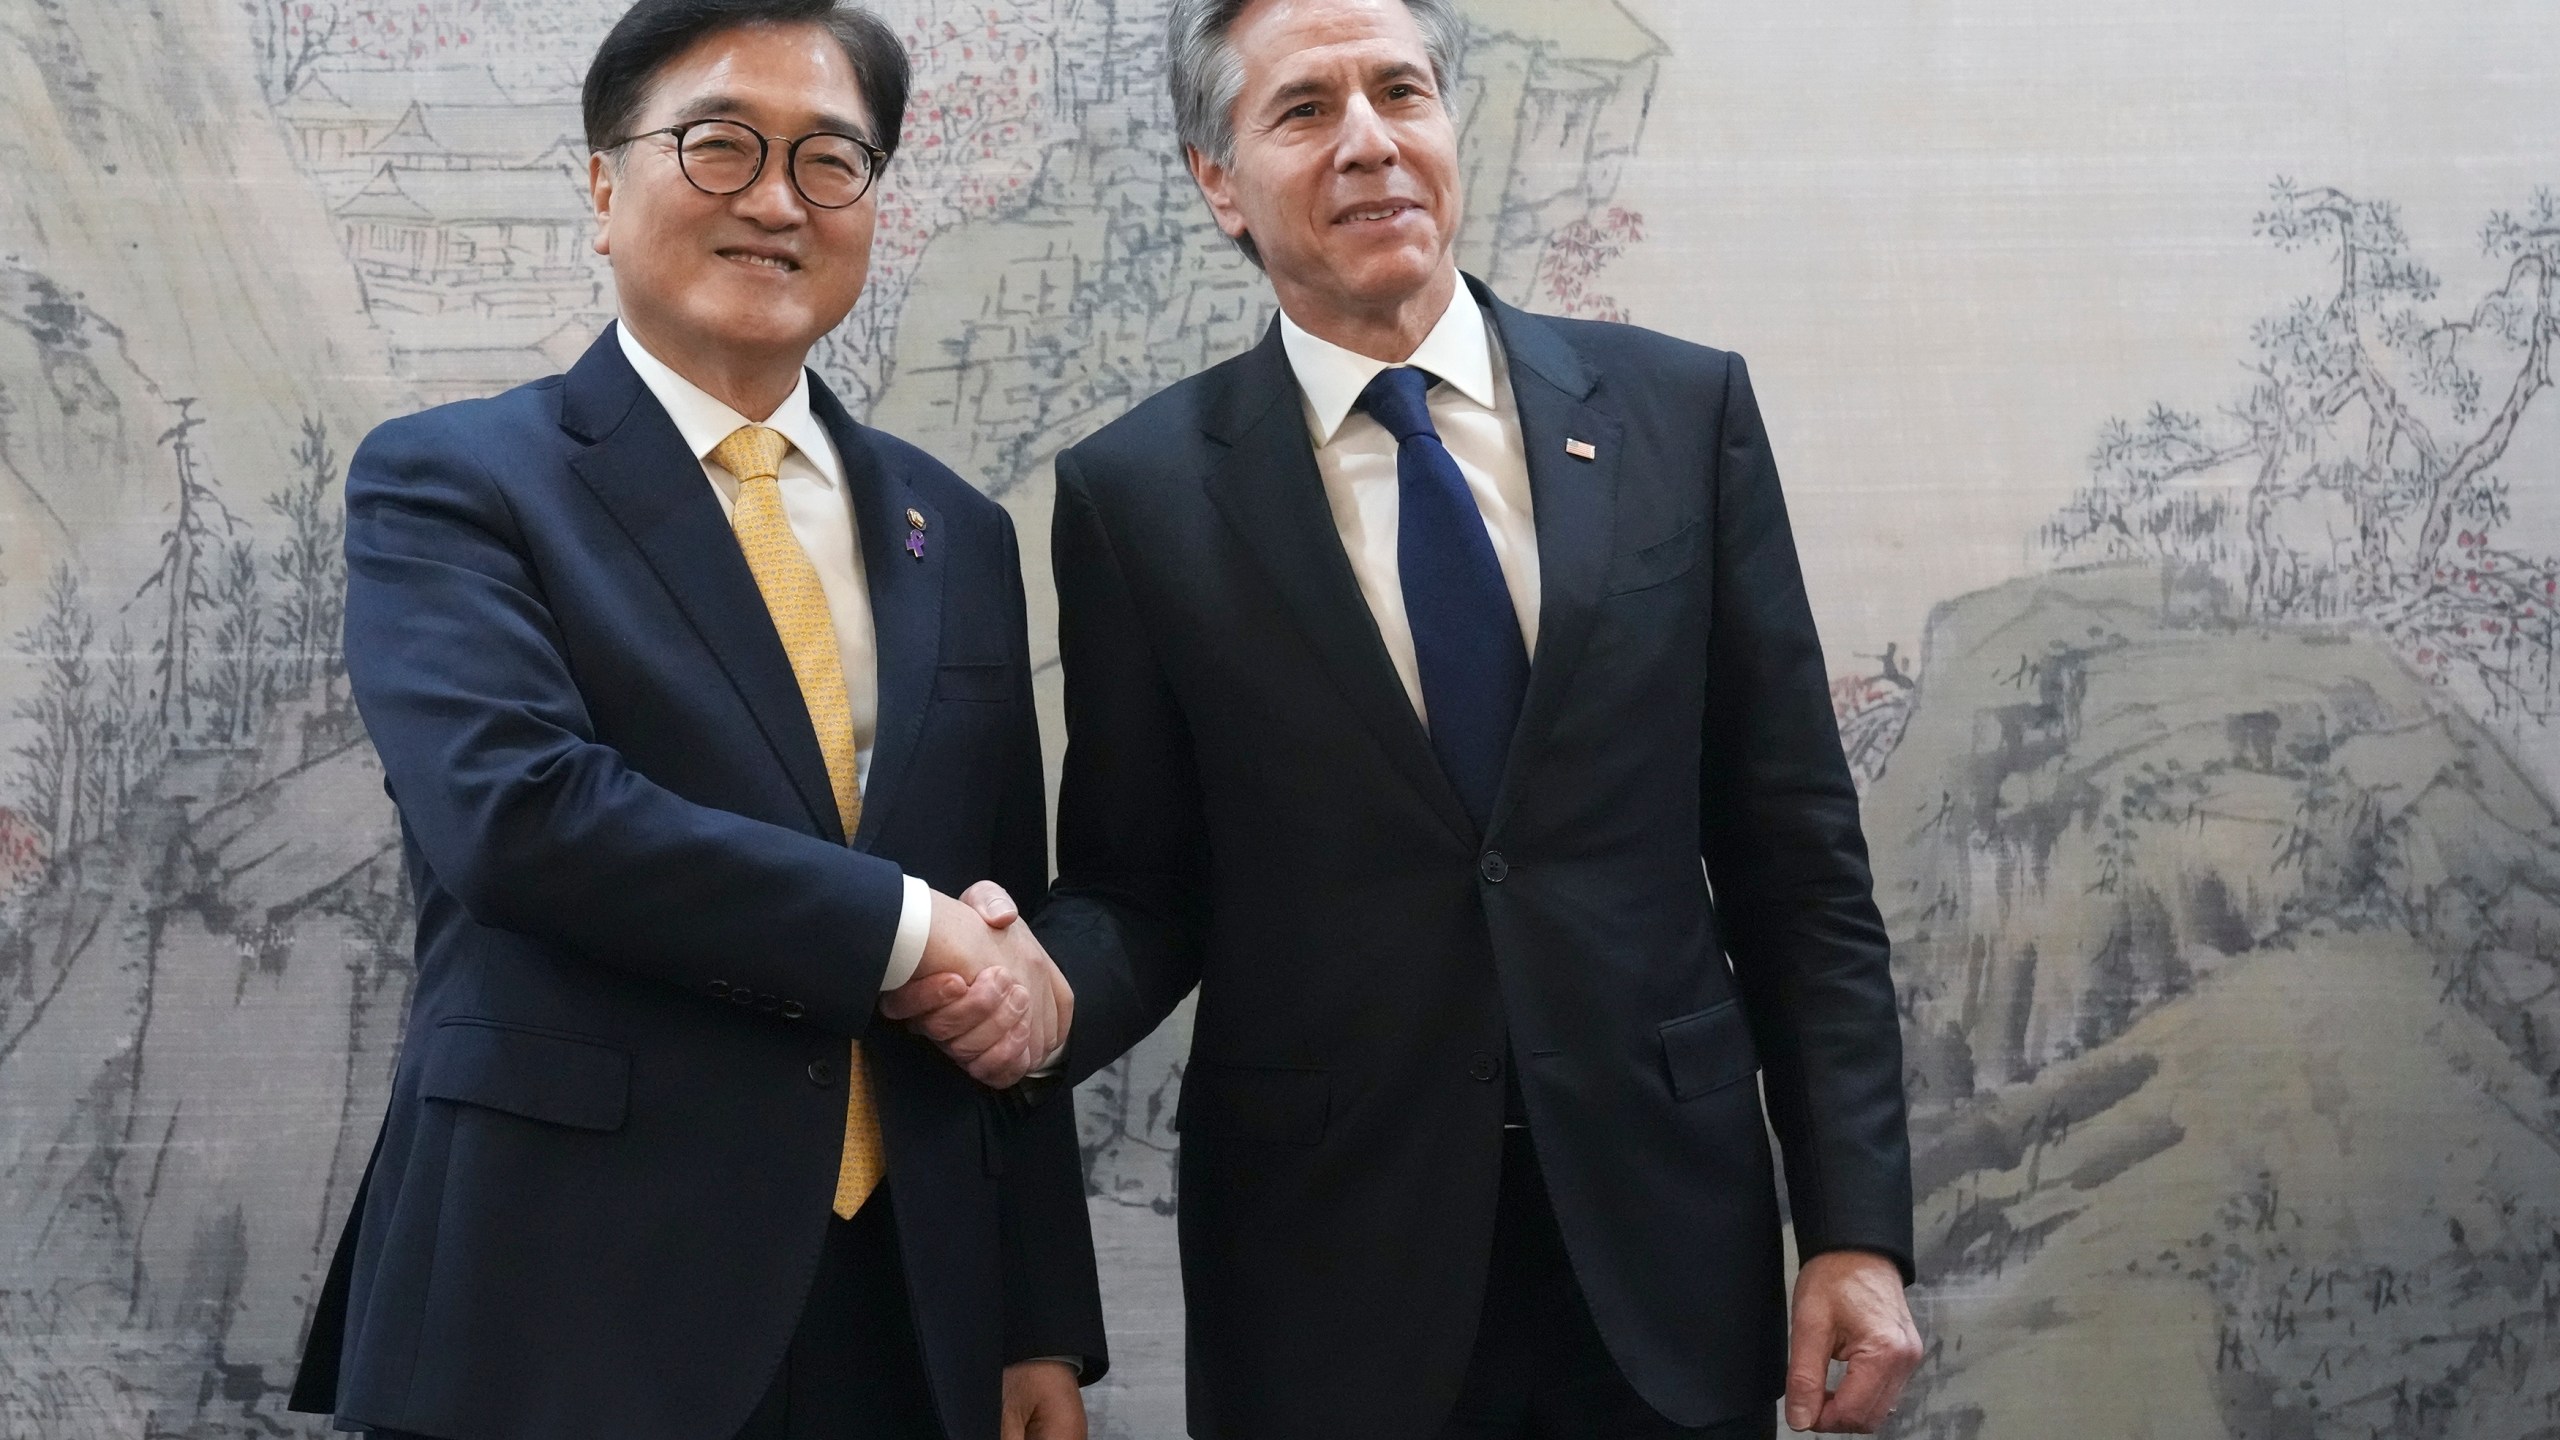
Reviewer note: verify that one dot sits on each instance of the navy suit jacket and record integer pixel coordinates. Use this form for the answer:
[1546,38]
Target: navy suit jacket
[1670,901]
[644,942]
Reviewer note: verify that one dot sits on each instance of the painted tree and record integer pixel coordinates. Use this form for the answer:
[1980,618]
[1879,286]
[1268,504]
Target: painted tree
[238,681]
[309,563]
[183,575]
[2358,475]
[61,711]
[295,38]
[125,741]
[1569,269]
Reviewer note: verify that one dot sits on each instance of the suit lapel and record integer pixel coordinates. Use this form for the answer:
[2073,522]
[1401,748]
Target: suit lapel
[639,468]
[1575,502]
[906,602]
[1272,495]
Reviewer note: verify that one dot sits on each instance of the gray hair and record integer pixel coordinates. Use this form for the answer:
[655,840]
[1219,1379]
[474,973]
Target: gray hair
[1206,77]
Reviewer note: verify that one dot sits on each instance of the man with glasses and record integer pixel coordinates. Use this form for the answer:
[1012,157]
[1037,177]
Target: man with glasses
[700,702]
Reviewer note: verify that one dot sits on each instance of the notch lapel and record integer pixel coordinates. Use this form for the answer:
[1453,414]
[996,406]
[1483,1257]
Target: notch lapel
[638,466]
[906,602]
[1271,494]
[1575,502]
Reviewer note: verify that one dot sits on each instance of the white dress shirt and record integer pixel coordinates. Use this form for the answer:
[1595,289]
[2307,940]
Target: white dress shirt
[821,516]
[1473,411]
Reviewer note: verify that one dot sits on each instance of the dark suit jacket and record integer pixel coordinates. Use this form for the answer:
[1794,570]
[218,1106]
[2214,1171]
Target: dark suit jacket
[643,942]
[1251,806]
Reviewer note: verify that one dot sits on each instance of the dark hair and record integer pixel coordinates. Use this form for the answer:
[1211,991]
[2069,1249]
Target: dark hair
[653,32]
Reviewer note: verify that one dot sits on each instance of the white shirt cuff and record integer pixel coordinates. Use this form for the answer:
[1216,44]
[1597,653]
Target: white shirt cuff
[915,922]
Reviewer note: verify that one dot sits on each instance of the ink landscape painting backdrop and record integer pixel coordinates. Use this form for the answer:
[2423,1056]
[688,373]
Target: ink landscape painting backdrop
[2163,396]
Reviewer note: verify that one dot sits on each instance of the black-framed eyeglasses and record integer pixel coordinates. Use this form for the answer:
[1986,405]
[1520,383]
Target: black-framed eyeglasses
[722,157]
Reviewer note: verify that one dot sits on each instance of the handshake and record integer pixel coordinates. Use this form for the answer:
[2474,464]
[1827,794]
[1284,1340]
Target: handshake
[985,991]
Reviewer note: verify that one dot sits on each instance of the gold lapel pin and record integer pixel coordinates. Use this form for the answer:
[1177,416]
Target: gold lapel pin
[1582,450]
[915,532]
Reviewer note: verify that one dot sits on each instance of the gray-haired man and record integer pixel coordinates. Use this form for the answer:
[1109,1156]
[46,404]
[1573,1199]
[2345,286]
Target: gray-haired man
[1415,660]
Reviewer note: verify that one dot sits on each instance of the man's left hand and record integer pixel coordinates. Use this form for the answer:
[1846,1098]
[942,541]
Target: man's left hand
[1041,1401]
[1849,1307]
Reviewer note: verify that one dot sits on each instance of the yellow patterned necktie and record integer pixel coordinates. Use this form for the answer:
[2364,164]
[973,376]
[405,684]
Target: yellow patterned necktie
[754,454]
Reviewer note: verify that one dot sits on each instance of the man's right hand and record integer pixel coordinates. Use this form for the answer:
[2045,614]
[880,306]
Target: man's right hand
[985,991]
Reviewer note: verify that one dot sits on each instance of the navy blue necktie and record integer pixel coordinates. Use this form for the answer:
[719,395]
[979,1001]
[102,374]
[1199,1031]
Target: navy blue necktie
[1466,635]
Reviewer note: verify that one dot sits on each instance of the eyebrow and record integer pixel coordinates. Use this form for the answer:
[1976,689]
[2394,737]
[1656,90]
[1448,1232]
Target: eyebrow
[1388,73]
[721,107]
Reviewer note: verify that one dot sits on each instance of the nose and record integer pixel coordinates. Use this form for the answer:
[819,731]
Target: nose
[1364,140]
[771,201]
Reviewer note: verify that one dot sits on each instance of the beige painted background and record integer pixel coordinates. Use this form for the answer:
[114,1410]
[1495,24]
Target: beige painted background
[2225,890]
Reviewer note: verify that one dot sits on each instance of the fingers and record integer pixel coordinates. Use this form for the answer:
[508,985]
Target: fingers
[1880,1363]
[1849,1305]
[1063,996]
[922,996]
[1858,1406]
[1809,1340]
[1041,1402]
[1053,999]
[992,903]
[1010,1006]
[975,1003]
[1003,1067]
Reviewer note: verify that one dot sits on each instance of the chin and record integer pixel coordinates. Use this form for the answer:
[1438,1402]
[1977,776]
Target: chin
[768,329]
[1394,277]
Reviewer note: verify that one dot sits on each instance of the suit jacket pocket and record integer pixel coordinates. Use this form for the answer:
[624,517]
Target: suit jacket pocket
[974,682]
[1271,1104]
[1656,563]
[538,1074]
[1707,1051]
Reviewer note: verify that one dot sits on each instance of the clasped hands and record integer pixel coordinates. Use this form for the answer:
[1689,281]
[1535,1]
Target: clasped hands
[985,991]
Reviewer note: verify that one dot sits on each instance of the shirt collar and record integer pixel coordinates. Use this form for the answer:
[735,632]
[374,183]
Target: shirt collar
[1459,350]
[704,420]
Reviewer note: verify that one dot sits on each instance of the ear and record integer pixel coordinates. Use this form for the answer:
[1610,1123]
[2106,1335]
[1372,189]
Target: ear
[600,180]
[1217,186]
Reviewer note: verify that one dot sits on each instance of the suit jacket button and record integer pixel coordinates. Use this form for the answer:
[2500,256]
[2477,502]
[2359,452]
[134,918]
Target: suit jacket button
[719,989]
[1493,867]
[791,1010]
[822,1073]
[1484,1065]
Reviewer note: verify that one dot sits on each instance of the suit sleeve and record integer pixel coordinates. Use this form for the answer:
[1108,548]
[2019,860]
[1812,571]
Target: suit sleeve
[1052,1295]
[1128,919]
[1787,863]
[459,671]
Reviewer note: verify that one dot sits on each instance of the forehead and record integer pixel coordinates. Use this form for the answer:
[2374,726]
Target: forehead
[1280,41]
[775,76]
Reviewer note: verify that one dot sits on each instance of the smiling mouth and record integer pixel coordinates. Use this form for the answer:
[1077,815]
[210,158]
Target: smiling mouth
[769,262]
[1374,213]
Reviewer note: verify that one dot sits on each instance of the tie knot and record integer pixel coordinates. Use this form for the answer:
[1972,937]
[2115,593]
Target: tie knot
[752,452]
[1396,400]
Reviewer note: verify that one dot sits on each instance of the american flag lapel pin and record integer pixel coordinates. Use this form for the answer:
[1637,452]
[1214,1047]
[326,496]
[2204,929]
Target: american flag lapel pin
[1582,450]
[915,532]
